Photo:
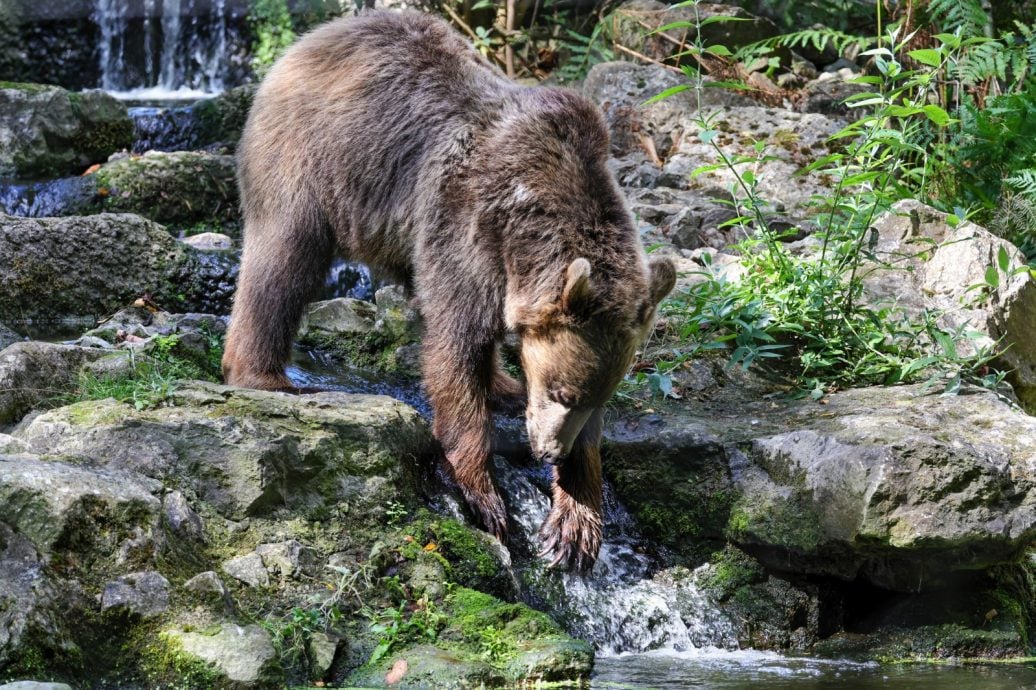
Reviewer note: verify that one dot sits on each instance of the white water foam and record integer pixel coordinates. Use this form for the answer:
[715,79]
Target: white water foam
[161,93]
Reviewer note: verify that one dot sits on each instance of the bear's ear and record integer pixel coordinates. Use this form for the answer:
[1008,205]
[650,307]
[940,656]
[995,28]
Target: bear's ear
[663,278]
[576,295]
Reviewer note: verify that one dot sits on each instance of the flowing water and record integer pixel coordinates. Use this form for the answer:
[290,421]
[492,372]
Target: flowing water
[164,49]
[650,632]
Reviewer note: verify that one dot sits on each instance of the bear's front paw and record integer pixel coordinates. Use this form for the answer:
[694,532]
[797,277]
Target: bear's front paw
[572,538]
[490,510]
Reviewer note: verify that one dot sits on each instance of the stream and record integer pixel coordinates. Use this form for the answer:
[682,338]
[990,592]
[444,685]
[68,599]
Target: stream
[649,634]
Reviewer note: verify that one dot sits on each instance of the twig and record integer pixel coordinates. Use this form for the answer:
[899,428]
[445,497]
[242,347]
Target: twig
[645,58]
[509,31]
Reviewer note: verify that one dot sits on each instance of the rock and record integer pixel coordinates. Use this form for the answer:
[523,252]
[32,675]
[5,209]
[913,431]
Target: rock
[826,95]
[528,647]
[87,267]
[621,88]
[871,486]
[7,336]
[927,264]
[340,316]
[57,505]
[322,649]
[685,218]
[178,189]
[635,24]
[181,519]
[248,569]
[9,445]
[365,334]
[209,241]
[48,131]
[397,321]
[792,140]
[33,371]
[35,604]
[243,656]
[288,559]
[206,584]
[261,451]
[145,594]
[34,685]
[222,119]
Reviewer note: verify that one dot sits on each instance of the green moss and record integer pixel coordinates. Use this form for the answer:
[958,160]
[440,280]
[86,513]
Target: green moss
[730,570]
[179,189]
[472,612]
[465,553]
[23,86]
[792,524]
[163,664]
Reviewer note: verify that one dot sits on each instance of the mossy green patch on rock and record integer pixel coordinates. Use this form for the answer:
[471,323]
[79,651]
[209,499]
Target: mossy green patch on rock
[676,483]
[470,559]
[489,642]
[51,131]
[222,119]
[178,189]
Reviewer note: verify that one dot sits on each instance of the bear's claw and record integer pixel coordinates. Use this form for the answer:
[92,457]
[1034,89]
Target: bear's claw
[571,542]
[491,512]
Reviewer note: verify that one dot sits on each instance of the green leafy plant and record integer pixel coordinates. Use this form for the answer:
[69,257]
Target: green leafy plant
[152,373]
[271,25]
[807,314]
[408,621]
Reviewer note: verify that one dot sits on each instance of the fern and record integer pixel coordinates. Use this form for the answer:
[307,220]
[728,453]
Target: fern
[583,53]
[967,15]
[820,38]
[1023,182]
[984,61]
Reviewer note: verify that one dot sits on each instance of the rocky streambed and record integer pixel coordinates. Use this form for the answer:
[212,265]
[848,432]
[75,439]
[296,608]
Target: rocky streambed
[158,529]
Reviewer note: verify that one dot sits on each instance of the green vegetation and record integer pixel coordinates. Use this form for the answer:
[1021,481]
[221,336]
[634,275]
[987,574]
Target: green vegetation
[806,314]
[151,375]
[273,32]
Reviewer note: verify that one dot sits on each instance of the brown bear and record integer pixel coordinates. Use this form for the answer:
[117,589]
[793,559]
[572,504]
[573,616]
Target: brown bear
[388,138]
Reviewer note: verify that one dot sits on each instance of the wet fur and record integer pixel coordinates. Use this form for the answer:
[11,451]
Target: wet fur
[388,139]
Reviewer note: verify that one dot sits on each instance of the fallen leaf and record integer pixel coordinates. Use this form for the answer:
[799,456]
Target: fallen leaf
[92,169]
[396,673]
[431,546]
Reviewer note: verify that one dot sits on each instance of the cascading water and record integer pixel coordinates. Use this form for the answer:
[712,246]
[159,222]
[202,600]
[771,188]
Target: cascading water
[620,607]
[163,48]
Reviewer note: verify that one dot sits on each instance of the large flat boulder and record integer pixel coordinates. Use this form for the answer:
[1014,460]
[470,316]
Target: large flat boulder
[247,453]
[888,485]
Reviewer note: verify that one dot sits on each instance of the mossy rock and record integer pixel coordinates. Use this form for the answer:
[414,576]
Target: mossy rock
[469,556]
[86,267]
[221,120]
[677,485]
[181,189]
[486,642]
[48,131]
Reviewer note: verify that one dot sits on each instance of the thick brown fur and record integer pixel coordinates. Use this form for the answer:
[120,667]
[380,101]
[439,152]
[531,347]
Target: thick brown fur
[387,138]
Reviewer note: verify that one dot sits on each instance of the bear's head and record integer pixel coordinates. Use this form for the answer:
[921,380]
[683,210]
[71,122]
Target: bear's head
[577,346]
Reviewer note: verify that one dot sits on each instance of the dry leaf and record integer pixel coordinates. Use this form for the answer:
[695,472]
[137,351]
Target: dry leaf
[396,673]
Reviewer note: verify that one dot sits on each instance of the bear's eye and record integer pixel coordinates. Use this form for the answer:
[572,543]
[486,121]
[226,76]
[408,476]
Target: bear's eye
[562,396]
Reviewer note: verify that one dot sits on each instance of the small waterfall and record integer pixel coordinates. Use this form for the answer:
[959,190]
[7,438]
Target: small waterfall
[170,41]
[111,17]
[621,607]
[163,48]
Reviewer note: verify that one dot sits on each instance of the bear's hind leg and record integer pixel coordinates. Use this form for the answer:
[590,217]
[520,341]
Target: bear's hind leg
[572,532]
[458,379]
[285,260]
